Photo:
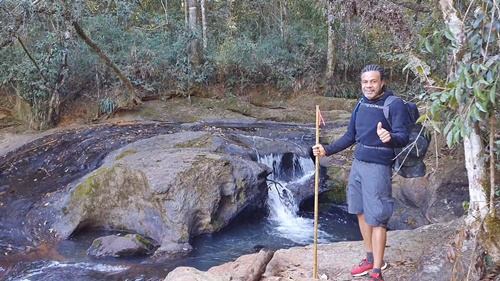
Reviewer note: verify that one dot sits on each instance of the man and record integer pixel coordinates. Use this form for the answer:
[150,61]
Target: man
[369,191]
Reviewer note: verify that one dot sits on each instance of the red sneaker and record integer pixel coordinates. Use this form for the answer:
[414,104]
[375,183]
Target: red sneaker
[364,267]
[376,277]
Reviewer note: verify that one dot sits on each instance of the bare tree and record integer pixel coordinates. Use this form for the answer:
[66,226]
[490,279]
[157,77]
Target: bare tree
[204,23]
[332,45]
[193,26]
[185,4]
[164,5]
[283,8]
[129,101]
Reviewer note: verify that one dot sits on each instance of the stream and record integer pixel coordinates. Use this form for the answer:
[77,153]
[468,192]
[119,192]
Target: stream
[286,224]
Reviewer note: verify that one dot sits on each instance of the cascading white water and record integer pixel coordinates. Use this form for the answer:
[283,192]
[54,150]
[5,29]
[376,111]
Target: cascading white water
[283,207]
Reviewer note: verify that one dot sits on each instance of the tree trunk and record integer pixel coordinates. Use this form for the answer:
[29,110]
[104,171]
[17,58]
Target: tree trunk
[204,23]
[283,18]
[53,116]
[132,100]
[476,169]
[331,56]
[186,11]
[490,237]
[193,26]
[165,9]
[476,173]
[193,19]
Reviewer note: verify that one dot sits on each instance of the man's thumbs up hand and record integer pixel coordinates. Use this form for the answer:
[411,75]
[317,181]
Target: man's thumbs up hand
[383,134]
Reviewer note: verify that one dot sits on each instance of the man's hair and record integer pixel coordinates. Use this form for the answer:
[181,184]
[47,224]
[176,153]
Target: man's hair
[374,67]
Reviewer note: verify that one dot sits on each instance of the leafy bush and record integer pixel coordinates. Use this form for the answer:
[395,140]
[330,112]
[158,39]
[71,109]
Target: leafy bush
[33,73]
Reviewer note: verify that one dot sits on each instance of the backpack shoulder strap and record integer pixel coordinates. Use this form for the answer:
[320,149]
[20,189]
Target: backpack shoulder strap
[387,102]
[356,108]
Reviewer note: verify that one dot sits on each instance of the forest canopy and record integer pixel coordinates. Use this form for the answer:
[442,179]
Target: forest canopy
[178,48]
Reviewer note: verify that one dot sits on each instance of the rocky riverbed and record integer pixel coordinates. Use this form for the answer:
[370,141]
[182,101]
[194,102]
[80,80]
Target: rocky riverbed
[434,201]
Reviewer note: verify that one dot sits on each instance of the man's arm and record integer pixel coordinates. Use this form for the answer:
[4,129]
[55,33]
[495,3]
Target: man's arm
[348,139]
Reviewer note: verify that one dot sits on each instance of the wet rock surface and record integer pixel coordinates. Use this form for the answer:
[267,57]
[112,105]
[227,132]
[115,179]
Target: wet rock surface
[418,254]
[33,173]
[119,246]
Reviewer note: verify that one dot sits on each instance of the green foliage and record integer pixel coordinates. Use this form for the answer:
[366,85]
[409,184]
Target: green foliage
[154,61]
[34,81]
[258,43]
[178,66]
[473,90]
[250,43]
[107,106]
[272,60]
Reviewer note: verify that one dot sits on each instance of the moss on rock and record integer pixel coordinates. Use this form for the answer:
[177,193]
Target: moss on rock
[203,141]
[337,193]
[338,187]
[100,189]
[125,153]
[144,241]
[96,243]
[89,187]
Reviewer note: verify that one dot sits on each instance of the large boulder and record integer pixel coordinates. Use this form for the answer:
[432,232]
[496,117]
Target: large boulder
[168,188]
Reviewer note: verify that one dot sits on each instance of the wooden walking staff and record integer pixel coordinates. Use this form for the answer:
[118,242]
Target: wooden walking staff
[316,193]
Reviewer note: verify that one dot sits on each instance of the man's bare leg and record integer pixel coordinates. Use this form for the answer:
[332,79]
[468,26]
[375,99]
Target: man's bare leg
[379,238]
[366,232]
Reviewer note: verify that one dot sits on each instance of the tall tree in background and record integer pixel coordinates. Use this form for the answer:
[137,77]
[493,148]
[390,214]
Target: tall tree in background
[204,23]
[471,96]
[186,6]
[195,49]
[283,22]
[194,29]
[331,58]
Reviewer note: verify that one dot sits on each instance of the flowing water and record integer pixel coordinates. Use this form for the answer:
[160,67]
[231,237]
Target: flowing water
[283,208]
[285,226]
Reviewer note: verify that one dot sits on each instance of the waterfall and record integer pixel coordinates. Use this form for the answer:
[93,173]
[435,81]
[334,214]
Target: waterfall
[289,170]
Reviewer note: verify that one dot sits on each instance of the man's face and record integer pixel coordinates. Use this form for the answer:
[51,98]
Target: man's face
[371,84]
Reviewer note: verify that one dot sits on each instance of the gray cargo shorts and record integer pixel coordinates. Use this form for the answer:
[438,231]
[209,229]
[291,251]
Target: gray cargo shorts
[369,192]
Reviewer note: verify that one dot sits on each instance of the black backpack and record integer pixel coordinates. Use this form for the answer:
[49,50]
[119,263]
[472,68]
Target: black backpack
[409,159]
